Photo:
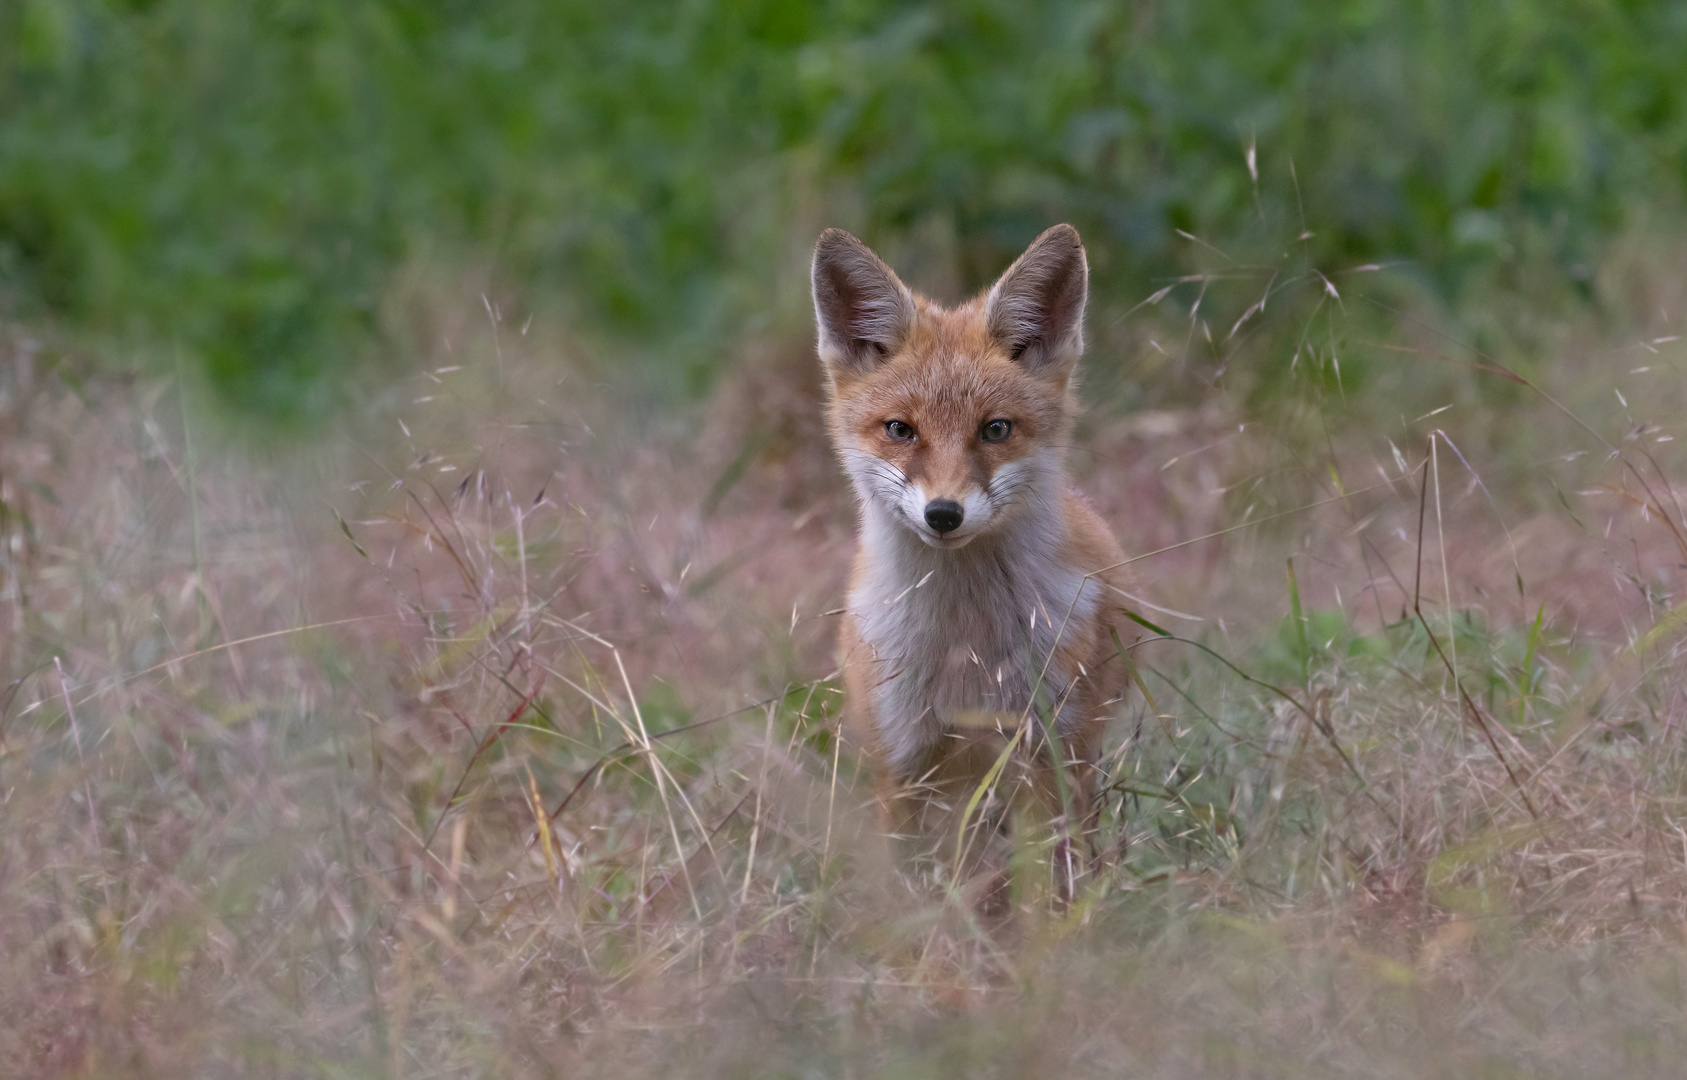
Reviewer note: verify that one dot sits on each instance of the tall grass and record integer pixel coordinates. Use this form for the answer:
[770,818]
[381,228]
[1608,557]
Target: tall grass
[498,737]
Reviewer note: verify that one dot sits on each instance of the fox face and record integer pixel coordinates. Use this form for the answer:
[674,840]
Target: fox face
[951,423]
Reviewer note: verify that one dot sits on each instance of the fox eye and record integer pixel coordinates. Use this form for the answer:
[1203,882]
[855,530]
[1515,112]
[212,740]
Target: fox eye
[996,430]
[898,430]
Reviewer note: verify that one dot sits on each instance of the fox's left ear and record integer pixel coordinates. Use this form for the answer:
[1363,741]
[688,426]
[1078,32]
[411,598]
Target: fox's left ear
[1036,309]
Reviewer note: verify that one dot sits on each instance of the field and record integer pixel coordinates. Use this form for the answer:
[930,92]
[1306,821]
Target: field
[496,735]
[420,557]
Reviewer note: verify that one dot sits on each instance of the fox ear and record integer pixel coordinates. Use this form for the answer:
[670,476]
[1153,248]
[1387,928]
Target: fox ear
[1036,309]
[863,311]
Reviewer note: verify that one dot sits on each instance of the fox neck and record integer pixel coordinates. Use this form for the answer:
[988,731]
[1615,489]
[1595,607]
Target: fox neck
[986,590]
[970,628]
[1027,535]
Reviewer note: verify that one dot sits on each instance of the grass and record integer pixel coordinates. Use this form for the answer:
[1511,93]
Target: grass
[497,736]
[244,183]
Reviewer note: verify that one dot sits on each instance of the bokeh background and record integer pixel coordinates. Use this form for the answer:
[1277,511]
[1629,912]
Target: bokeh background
[241,184]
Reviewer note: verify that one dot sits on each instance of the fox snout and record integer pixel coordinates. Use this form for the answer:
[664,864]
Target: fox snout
[944,515]
[948,515]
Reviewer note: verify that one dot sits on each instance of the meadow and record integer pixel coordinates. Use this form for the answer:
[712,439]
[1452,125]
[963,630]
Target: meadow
[420,554]
[496,737]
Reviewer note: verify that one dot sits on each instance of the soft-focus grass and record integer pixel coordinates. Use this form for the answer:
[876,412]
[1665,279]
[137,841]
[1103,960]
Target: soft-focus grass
[495,737]
[245,185]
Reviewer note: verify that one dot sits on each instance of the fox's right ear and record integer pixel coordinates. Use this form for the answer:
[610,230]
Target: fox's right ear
[862,309]
[1036,309]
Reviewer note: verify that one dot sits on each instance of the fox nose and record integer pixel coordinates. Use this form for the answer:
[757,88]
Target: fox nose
[944,515]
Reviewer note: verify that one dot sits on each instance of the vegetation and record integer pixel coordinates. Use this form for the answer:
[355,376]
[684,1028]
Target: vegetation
[502,742]
[491,730]
[248,184]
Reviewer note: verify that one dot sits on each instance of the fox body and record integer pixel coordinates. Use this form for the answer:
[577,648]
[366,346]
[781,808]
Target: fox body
[985,587]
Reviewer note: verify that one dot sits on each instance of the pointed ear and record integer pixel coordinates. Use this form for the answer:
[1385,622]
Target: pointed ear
[863,311]
[1036,309]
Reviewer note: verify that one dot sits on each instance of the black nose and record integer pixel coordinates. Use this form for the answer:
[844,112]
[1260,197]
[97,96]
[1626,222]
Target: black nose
[944,515]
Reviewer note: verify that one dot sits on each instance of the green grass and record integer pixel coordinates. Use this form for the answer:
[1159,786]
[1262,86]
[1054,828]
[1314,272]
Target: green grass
[253,185]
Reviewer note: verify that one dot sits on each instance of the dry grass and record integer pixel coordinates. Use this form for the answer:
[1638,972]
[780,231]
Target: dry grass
[525,766]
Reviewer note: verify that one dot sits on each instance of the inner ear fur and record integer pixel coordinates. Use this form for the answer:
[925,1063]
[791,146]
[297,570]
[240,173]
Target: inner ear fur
[1036,308]
[862,309]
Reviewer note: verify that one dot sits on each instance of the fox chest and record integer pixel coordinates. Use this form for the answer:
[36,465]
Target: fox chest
[967,639]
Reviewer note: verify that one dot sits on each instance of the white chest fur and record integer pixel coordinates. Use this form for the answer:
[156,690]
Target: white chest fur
[967,629]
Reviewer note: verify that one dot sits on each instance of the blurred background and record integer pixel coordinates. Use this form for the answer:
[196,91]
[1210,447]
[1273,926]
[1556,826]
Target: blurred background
[243,188]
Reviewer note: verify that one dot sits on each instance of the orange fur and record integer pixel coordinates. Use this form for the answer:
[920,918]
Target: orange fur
[985,588]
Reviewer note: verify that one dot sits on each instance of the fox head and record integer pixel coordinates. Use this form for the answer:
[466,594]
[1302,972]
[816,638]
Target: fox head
[952,422]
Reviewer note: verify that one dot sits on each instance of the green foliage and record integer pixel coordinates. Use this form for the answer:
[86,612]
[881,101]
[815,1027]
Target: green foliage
[242,180]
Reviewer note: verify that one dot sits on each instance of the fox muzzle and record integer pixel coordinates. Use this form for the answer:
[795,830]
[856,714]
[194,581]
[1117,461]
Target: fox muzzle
[944,515]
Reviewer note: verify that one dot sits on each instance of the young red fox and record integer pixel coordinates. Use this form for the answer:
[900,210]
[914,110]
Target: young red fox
[983,594]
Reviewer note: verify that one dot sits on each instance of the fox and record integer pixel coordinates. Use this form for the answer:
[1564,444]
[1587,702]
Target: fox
[981,619]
